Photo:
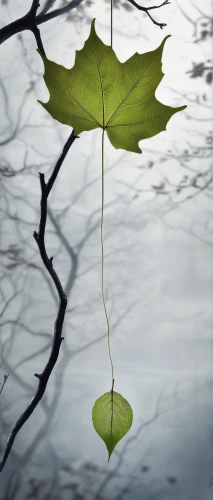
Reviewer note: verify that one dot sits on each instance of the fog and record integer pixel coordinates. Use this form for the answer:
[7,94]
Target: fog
[158,241]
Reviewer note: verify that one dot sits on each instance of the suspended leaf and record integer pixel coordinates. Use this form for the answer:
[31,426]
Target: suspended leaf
[112,418]
[100,91]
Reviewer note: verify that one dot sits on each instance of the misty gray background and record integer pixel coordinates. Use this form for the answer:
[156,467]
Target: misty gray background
[158,235]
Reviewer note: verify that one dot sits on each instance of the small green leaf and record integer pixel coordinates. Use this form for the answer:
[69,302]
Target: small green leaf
[100,91]
[112,418]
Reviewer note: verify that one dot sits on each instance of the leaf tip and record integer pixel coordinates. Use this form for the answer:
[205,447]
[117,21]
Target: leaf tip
[180,108]
[93,25]
[110,450]
[139,151]
[42,103]
[164,41]
[167,36]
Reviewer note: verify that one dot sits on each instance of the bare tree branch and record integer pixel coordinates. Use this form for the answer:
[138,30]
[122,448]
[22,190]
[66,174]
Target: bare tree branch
[48,5]
[3,384]
[147,9]
[39,237]
[30,21]
[42,18]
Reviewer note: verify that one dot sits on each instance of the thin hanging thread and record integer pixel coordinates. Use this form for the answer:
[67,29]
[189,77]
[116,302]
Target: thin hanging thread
[111,20]
[102,260]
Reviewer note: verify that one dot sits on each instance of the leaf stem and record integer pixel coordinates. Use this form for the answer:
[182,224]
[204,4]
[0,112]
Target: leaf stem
[102,253]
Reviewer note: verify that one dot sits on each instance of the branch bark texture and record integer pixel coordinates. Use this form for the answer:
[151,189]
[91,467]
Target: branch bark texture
[29,22]
[48,262]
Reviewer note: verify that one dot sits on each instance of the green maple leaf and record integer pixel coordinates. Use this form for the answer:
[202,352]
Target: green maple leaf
[112,418]
[100,91]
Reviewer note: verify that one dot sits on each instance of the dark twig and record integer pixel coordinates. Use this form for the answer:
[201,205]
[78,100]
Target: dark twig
[48,5]
[42,18]
[147,9]
[30,21]
[57,339]
[27,22]
[2,386]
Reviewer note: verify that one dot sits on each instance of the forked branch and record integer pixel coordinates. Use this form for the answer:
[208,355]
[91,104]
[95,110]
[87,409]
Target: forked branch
[30,21]
[147,9]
